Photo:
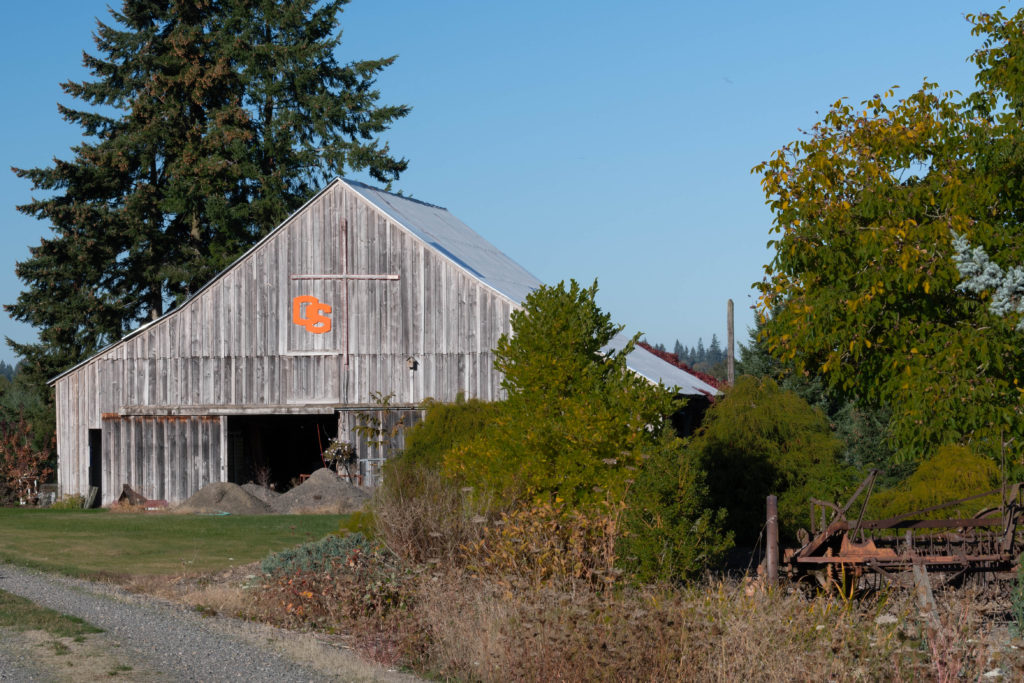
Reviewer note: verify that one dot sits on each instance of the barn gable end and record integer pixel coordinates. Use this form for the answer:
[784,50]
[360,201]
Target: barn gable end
[254,373]
[155,410]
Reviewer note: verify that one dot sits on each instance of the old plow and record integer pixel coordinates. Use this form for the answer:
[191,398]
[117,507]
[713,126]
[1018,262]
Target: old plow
[842,542]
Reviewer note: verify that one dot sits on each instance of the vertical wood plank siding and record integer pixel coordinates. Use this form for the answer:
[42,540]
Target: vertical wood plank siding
[234,346]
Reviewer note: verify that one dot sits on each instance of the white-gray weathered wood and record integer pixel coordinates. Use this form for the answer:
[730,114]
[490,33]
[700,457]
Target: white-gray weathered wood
[161,395]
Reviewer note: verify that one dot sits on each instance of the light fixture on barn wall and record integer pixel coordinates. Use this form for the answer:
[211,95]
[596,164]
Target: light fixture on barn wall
[412,363]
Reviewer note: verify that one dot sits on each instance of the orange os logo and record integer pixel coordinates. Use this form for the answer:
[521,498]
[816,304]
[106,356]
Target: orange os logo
[307,310]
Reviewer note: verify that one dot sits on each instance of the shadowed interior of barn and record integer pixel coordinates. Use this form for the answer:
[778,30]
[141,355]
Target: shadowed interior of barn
[274,450]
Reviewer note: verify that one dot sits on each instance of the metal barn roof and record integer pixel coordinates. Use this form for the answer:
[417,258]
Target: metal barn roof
[440,229]
[447,234]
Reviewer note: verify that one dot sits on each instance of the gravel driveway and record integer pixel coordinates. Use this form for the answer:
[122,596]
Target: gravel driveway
[154,640]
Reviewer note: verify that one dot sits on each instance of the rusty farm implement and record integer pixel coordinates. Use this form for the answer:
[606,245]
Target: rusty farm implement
[843,542]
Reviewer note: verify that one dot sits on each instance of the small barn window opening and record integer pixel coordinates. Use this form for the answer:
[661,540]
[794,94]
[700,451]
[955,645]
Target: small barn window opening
[276,450]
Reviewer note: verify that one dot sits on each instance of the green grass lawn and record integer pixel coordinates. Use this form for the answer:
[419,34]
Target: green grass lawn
[98,542]
[24,615]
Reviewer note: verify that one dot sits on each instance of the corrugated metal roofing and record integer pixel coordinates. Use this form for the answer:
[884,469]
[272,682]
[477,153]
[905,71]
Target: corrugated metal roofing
[456,240]
[646,364]
[439,228]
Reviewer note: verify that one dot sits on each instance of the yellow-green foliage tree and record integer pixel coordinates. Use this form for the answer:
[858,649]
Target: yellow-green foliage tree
[577,421]
[445,426]
[582,449]
[759,440]
[863,286]
[954,472]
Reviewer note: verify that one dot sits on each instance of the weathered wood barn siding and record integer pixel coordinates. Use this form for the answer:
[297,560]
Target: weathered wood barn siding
[161,397]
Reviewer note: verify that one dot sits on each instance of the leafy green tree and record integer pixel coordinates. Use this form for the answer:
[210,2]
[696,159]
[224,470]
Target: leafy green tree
[759,440]
[577,422]
[863,285]
[670,533]
[205,124]
[863,429]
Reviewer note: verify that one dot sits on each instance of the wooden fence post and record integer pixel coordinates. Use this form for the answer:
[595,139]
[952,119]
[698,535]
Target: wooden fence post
[771,563]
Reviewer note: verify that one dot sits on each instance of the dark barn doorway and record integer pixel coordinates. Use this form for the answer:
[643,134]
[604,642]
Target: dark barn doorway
[276,449]
[96,464]
[688,420]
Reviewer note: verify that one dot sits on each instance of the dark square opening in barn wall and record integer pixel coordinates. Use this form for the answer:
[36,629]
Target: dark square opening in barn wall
[277,449]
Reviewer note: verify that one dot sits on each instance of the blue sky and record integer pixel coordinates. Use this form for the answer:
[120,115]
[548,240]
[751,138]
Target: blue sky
[585,139]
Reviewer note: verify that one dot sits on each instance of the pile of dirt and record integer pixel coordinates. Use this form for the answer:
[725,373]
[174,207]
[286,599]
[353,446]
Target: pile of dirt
[262,492]
[223,497]
[323,493]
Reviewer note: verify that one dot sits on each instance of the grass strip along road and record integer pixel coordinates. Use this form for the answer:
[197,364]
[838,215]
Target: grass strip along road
[113,633]
[154,640]
[98,543]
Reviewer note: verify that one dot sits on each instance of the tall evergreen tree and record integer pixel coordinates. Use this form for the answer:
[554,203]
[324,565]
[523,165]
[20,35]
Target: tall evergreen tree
[206,124]
[715,353]
[679,350]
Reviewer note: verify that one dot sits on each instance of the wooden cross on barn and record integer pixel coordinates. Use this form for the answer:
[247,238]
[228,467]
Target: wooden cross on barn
[311,313]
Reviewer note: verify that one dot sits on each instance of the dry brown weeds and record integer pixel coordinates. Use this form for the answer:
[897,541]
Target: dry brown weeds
[465,627]
[534,596]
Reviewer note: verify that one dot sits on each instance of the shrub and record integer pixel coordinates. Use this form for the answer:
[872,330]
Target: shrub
[423,517]
[318,556]
[74,502]
[575,418]
[953,472]
[445,426]
[669,532]
[369,595]
[550,544]
[22,463]
[759,440]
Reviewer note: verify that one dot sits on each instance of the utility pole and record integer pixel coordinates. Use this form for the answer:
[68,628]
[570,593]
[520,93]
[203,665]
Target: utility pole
[731,348]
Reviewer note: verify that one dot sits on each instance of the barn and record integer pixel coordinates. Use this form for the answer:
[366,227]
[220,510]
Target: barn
[360,297]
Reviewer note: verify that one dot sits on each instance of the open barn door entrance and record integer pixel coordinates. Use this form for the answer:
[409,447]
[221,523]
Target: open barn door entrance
[275,450]
[96,464]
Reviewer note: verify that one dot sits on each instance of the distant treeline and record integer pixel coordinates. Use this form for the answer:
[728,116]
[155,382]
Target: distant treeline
[7,370]
[710,359]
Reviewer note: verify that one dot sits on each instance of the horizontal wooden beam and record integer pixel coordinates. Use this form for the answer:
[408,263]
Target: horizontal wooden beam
[376,406]
[289,409]
[346,277]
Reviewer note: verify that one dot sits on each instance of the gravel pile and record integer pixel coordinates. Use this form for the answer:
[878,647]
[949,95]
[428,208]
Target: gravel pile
[223,497]
[323,493]
[261,492]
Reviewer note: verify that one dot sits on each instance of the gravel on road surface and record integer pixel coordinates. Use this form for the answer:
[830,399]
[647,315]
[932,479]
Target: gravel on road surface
[14,668]
[172,642]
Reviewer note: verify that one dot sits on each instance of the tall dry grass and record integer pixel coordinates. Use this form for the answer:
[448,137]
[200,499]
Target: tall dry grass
[463,626]
[533,595]
[479,629]
[424,518]
[483,631]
